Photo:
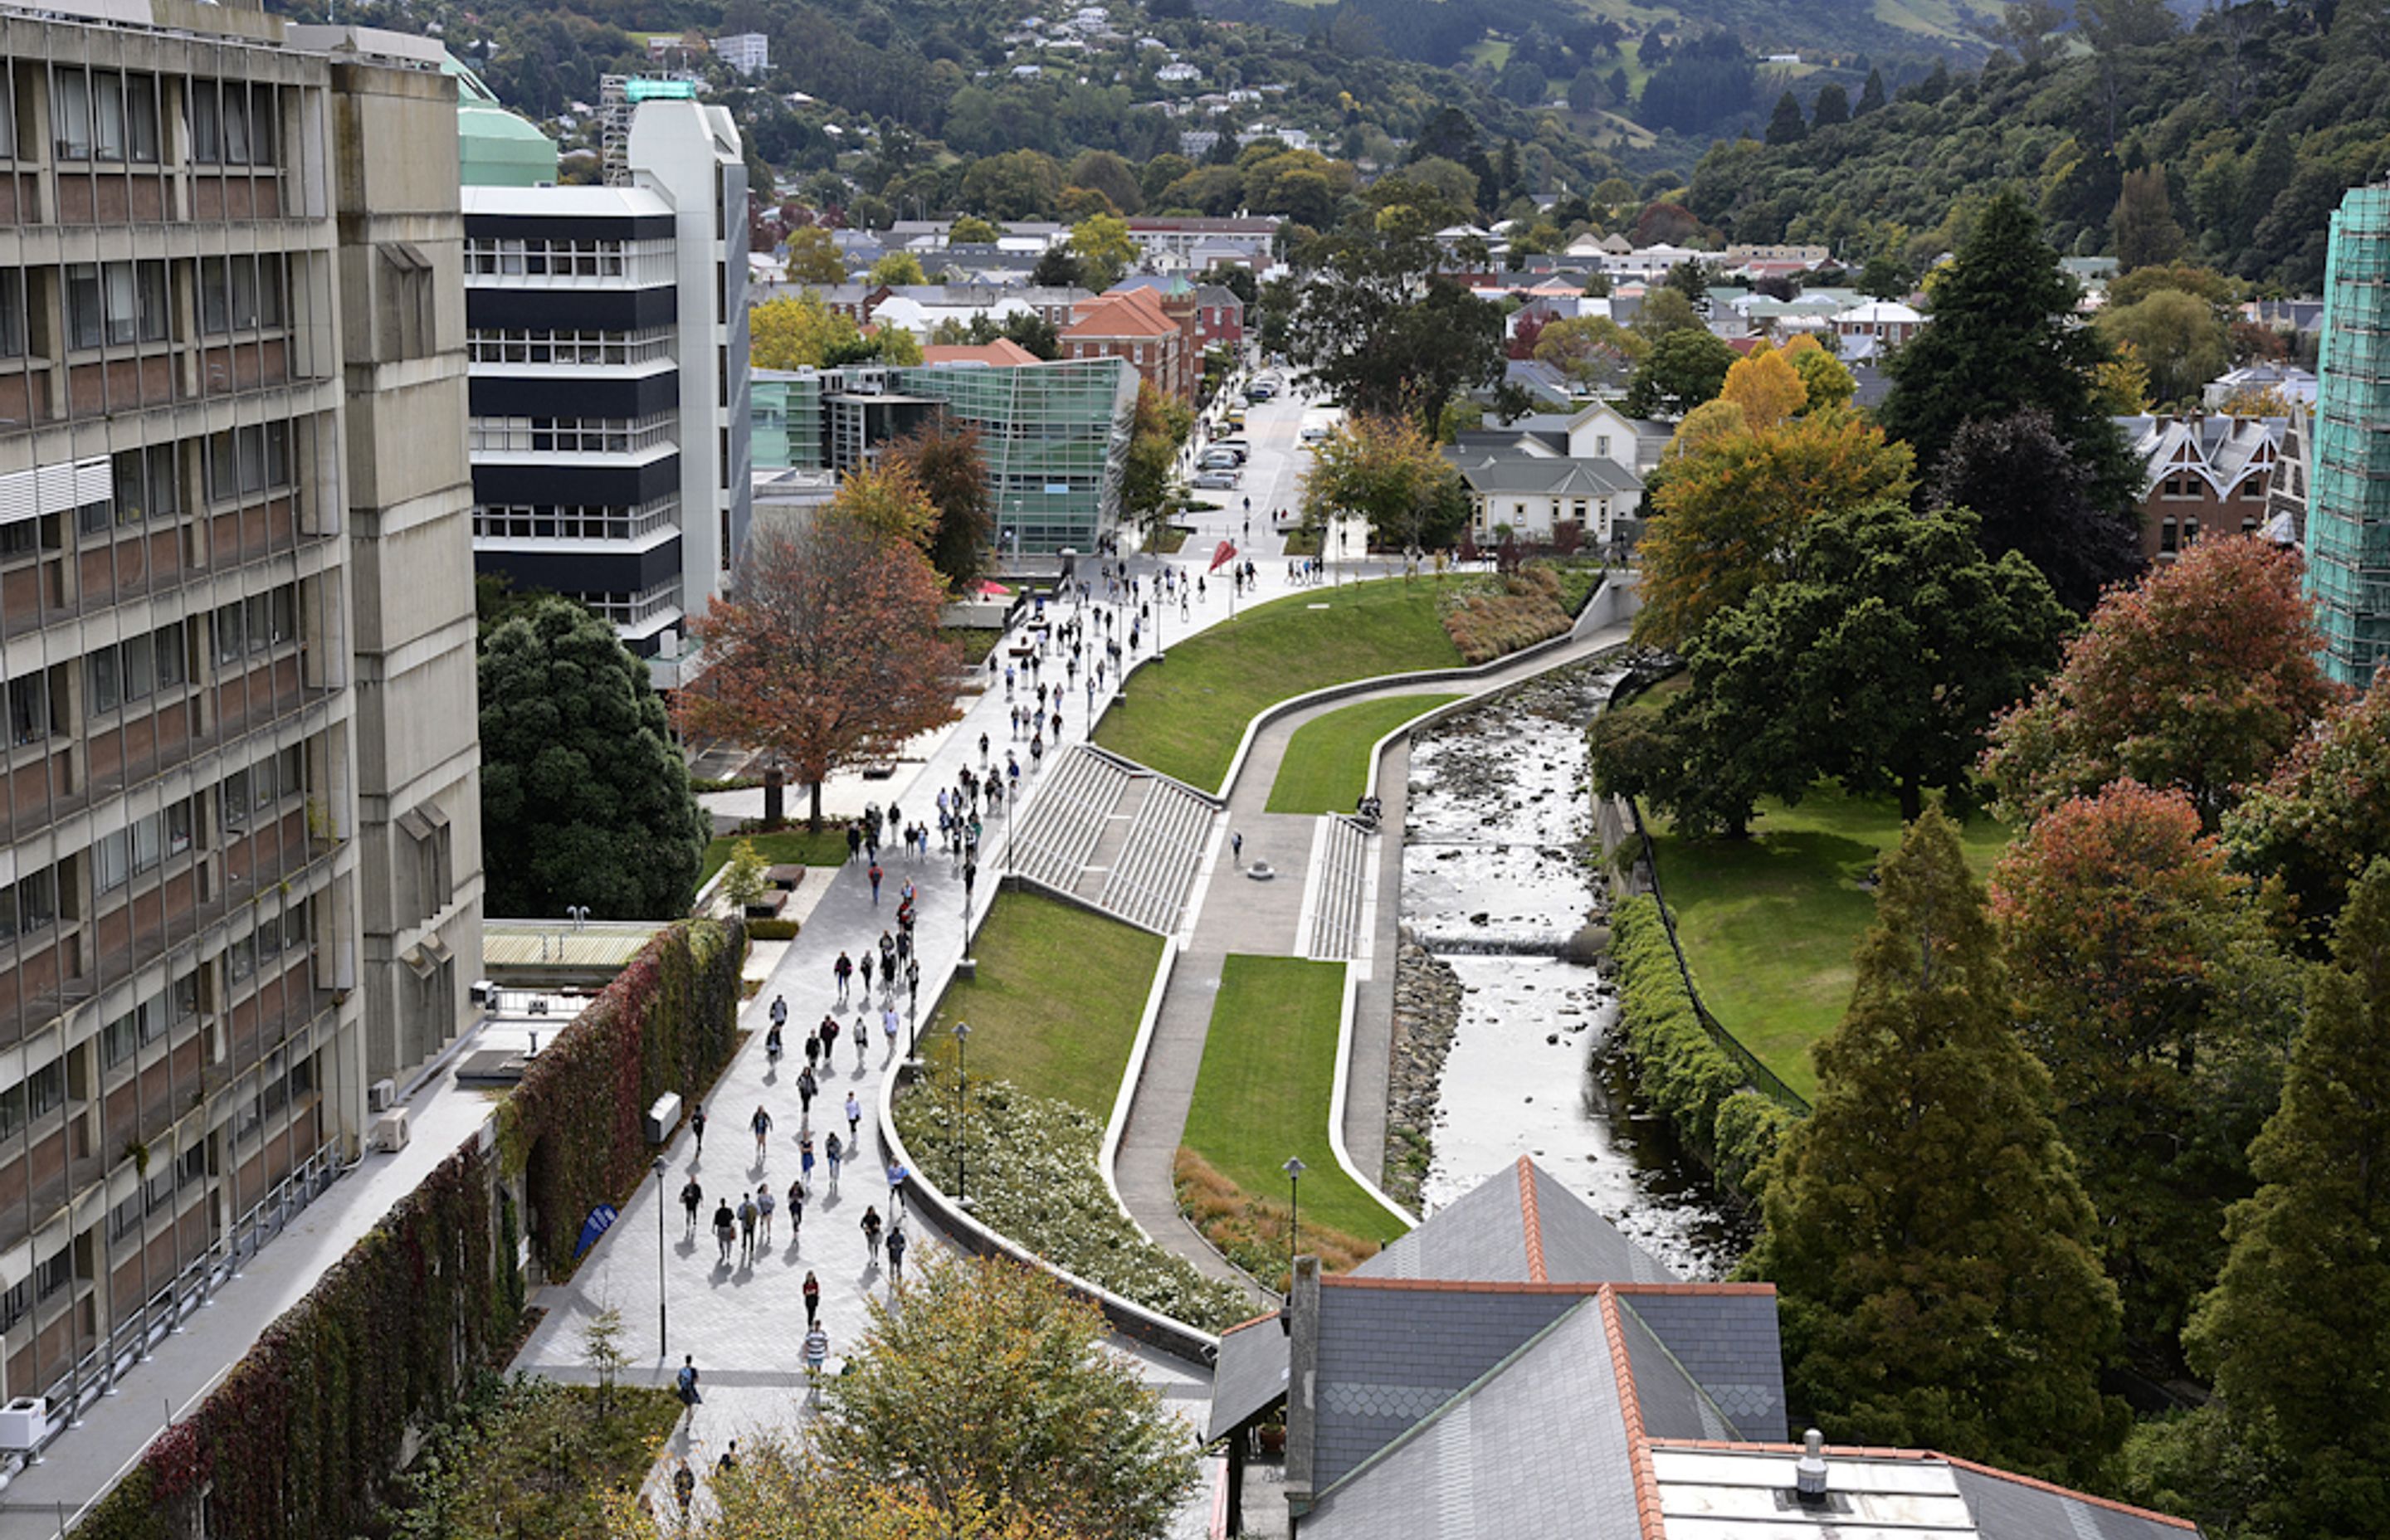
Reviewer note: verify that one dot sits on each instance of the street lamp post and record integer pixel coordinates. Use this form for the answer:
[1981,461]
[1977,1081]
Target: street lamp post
[962,1108]
[663,1338]
[1293,1168]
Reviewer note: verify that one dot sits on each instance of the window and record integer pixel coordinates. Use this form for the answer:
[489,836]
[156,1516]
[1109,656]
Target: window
[8,116]
[55,1274]
[1601,446]
[30,905]
[248,460]
[103,677]
[491,345]
[131,1033]
[407,309]
[230,644]
[241,293]
[15,1303]
[46,1090]
[116,301]
[146,485]
[568,435]
[126,1216]
[574,521]
[12,291]
[29,710]
[232,798]
[70,114]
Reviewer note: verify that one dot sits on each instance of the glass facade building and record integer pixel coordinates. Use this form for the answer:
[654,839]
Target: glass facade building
[2348,510]
[1054,435]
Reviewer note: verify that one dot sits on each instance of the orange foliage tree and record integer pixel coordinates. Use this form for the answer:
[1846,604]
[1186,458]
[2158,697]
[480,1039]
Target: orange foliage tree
[824,652]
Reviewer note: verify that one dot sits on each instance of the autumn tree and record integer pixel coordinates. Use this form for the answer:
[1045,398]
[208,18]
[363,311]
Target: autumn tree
[1825,383]
[2323,817]
[898,269]
[971,230]
[814,256]
[2147,984]
[1931,1247]
[1590,350]
[1767,388]
[1159,426]
[1105,248]
[1390,471]
[584,798]
[2293,1333]
[824,652]
[798,332]
[945,461]
[2178,337]
[2035,497]
[2199,679]
[1730,515]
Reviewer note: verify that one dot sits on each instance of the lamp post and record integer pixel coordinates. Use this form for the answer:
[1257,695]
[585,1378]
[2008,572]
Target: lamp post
[962,1108]
[1293,1168]
[663,1338]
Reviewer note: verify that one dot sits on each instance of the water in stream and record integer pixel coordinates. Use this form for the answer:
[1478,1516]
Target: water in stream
[1493,885]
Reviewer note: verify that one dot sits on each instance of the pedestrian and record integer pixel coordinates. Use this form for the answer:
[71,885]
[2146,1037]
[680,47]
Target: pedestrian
[868,956]
[813,1299]
[862,1034]
[748,1214]
[888,1017]
[871,1233]
[816,1355]
[845,969]
[896,1176]
[834,1151]
[888,948]
[772,1046]
[684,1488]
[854,840]
[1236,849]
[807,1087]
[729,1460]
[761,1123]
[697,1126]
[692,1198]
[725,1230]
[796,1211]
[805,1157]
[813,1052]
[779,1013]
[828,1039]
[897,1253]
[982,747]
[913,987]
[764,1217]
[853,1121]
[876,874]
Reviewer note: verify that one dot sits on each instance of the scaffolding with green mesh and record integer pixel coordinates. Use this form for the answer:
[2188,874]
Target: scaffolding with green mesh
[2348,518]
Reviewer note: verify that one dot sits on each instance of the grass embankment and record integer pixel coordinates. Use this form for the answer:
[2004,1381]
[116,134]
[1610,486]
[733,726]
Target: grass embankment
[790,847]
[1057,1001]
[1263,1094]
[971,643]
[1769,923]
[1327,762]
[1186,716]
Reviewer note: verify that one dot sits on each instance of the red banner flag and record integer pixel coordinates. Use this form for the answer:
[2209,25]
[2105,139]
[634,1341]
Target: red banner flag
[1224,555]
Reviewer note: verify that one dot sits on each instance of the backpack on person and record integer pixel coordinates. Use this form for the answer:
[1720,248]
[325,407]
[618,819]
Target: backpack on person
[686,1383]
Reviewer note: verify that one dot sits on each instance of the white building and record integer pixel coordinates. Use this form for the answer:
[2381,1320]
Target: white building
[749,53]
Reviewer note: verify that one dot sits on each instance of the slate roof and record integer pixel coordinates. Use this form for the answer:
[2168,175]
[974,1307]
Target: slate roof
[2010,1507]
[1248,1375]
[1544,475]
[1723,1341]
[1484,1236]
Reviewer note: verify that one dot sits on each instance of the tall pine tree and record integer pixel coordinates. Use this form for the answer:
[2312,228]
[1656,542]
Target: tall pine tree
[2297,1331]
[1929,1240]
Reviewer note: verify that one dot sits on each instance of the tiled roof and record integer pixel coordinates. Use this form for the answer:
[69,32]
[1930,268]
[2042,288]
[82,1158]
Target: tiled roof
[1542,474]
[1249,1374]
[2009,1506]
[1135,312]
[1725,1342]
[1483,1235]
[1001,353]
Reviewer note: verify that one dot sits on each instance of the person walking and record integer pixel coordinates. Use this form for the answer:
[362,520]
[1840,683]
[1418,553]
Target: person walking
[813,1299]
[827,1039]
[764,1204]
[971,875]
[871,1233]
[725,1230]
[853,1121]
[1236,849]
[867,955]
[692,1198]
[807,1087]
[796,1211]
[896,1255]
[761,1123]
[876,874]
[697,1126]
[816,1357]
[683,1489]
[813,1052]
[748,1214]
[888,1014]
[844,970]
[896,1176]
[805,1157]
[835,1151]
[779,1013]
[772,1049]
[861,1036]
[853,841]
[913,987]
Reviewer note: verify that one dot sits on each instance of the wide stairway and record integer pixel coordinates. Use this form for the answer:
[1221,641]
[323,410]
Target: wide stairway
[1335,904]
[1126,841]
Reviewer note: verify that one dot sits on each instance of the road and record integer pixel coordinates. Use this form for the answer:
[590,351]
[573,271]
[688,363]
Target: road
[1273,476]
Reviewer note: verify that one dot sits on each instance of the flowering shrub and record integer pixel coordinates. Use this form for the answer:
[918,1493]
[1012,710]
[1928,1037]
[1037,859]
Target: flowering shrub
[1033,1177]
[1487,619]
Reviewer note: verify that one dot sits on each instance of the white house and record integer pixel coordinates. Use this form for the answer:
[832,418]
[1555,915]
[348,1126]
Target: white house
[1534,495]
[1888,321]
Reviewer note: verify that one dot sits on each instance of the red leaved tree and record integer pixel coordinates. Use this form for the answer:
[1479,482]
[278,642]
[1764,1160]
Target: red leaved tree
[2199,679]
[824,652]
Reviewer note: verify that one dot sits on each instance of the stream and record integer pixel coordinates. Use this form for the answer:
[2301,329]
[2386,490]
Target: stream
[1495,884]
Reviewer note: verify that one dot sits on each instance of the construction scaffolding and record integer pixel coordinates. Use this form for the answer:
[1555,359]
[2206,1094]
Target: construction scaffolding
[2348,512]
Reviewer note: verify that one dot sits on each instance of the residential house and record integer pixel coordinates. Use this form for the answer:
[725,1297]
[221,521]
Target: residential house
[1515,1366]
[1547,499]
[1133,326]
[2293,384]
[1889,322]
[1161,236]
[2200,475]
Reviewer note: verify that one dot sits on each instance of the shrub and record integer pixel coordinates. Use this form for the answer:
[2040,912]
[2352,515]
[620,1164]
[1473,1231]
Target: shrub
[1252,1231]
[771,930]
[1489,618]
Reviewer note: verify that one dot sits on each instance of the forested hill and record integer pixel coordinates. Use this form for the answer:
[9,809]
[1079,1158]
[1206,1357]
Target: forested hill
[2257,119]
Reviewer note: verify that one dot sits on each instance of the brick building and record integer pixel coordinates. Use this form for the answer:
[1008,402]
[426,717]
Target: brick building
[1133,326]
[2201,475]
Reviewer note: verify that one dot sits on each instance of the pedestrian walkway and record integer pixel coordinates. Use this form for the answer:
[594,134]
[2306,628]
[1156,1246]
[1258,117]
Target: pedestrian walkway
[1336,895]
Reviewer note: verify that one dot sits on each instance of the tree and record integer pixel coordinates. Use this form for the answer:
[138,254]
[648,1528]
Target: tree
[1785,125]
[1378,322]
[1104,248]
[1825,383]
[2292,1332]
[2201,678]
[1931,1248]
[743,877]
[2177,336]
[2001,337]
[1057,268]
[1870,93]
[971,230]
[1767,388]
[2035,497]
[1885,276]
[893,344]
[1032,1412]
[814,257]
[898,269]
[601,1337]
[946,462]
[2120,385]
[798,333]
[584,800]
[1104,172]
[2147,985]
[1389,469]
[2323,817]
[1833,107]
[2143,226]
[1159,429]
[825,650]
[1731,515]
[1666,310]
[2029,26]
[1589,349]
[1683,369]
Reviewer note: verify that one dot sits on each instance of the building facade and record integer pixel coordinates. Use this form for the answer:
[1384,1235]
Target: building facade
[239,853]
[2348,495]
[1134,327]
[608,347]
[2202,475]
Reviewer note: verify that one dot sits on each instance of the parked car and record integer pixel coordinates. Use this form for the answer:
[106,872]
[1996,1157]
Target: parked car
[1217,459]
[1313,433]
[1238,447]
[1217,480]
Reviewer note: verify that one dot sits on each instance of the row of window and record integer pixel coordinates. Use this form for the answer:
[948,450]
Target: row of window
[141,846]
[114,115]
[165,1178]
[552,259]
[569,435]
[495,345]
[2178,489]
[136,670]
[573,521]
[122,304]
[257,623]
[632,609]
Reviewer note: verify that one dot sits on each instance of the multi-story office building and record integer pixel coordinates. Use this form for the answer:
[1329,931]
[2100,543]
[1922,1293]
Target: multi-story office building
[240,854]
[608,343]
[2348,453]
[1055,436]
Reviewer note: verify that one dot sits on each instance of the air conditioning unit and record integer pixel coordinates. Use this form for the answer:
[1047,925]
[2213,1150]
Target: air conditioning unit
[382,1096]
[482,993]
[23,1421]
[390,1131]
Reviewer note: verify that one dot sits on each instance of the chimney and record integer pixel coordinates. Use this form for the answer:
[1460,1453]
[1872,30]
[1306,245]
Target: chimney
[1809,1474]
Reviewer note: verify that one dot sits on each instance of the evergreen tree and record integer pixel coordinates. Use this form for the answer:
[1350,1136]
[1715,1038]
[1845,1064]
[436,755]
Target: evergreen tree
[1871,95]
[1931,1246]
[1833,105]
[2001,338]
[1785,125]
[2297,1331]
[2016,473]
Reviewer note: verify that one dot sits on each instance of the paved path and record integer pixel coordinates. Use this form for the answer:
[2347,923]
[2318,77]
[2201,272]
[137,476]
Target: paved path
[1234,913]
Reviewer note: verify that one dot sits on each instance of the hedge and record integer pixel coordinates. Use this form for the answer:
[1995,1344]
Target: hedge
[1688,1076]
[310,1424]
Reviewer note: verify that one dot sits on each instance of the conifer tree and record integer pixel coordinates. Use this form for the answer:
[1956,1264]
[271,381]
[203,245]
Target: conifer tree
[2296,1332]
[1925,1229]
[1871,95]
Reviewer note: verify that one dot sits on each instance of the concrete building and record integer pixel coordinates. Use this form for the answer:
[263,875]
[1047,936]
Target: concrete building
[749,53]
[240,844]
[608,345]
[2348,455]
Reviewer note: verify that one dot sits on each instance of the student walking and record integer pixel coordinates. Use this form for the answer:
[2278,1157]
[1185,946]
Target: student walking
[832,1035]
[697,1126]
[835,1150]
[853,1121]
[876,874]
[764,1216]
[871,1233]
[748,1214]
[971,875]
[692,1198]
[684,1488]
[807,1086]
[725,1230]
[816,1356]
[861,1036]
[827,1039]
[888,1015]
[805,1157]
[761,1123]
[796,1211]
[896,1255]
[813,1299]
[844,970]
[1236,849]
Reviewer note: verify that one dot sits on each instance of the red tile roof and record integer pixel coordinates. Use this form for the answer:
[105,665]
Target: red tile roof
[1003,350]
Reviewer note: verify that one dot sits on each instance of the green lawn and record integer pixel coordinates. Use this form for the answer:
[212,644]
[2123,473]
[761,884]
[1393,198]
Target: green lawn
[1327,762]
[1269,1070]
[1185,717]
[1769,923]
[790,847]
[1056,1004]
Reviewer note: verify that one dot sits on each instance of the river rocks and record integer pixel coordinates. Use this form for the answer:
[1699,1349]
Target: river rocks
[1427,1012]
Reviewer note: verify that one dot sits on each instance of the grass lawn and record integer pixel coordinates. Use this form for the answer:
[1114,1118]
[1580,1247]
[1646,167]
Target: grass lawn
[1769,923]
[1658,695]
[1056,1004]
[1327,762]
[974,642]
[1185,717]
[1168,539]
[1579,577]
[790,847]
[1269,1069]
